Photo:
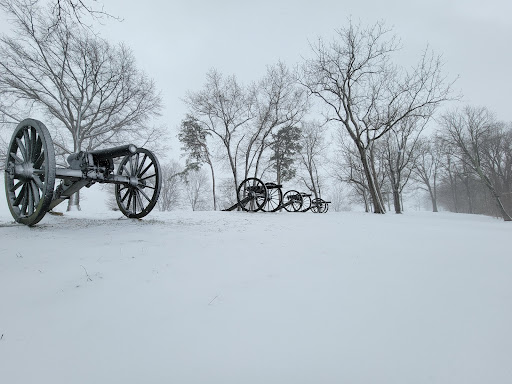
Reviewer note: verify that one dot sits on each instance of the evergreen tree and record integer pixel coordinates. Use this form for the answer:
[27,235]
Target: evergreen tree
[285,145]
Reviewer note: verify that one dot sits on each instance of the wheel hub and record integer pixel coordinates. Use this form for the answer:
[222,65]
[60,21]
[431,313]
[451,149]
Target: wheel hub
[24,171]
[134,181]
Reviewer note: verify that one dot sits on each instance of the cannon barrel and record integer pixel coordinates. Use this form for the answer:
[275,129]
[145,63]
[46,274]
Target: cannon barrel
[110,153]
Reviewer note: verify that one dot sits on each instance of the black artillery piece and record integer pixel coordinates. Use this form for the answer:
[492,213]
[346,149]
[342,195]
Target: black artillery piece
[31,172]
[254,195]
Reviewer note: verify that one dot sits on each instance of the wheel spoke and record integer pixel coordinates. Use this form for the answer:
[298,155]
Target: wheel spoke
[145,169]
[22,149]
[17,160]
[30,201]
[129,199]
[125,195]
[39,161]
[28,149]
[148,177]
[16,186]
[139,200]
[141,165]
[125,170]
[144,194]
[38,182]
[38,149]
[33,142]
[132,170]
[25,200]
[35,192]
[18,199]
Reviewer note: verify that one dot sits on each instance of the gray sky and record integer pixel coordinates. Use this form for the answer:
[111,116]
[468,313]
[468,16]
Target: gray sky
[177,42]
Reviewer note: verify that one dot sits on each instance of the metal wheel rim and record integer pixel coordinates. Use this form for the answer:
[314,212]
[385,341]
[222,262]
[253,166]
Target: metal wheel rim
[30,172]
[137,199]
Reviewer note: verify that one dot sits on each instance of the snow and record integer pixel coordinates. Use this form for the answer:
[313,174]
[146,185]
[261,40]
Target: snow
[232,297]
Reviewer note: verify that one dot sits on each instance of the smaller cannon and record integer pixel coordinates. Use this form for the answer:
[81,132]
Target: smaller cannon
[316,205]
[31,171]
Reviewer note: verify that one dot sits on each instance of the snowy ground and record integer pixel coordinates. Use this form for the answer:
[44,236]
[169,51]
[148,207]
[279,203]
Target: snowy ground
[228,297]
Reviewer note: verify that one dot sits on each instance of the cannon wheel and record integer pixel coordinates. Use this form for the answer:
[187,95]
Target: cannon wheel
[318,206]
[296,198]
[30,172]
[306,203]
[274,198]
[251,194]
[137,198]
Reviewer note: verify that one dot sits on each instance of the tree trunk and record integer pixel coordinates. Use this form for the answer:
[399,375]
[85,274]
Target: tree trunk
[372,183]
[74,202]
[366,208]
[453,187]
[468,194]
[432,198]
[496,195]
[74,199]
[501,209]
[213,188]
[396,200]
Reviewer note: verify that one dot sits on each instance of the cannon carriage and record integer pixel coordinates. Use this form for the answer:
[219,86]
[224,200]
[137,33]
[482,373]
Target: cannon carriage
[31,174]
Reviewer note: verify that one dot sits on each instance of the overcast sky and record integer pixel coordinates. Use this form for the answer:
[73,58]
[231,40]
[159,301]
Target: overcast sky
[177,42]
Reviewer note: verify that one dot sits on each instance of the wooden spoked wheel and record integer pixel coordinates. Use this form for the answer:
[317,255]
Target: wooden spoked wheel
[306,202]
[138,197]
[251,194]
[319,206]
[30,172]
[292,201]
[274,198]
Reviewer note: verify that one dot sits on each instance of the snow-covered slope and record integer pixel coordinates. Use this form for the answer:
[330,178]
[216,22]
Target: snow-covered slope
[231,297]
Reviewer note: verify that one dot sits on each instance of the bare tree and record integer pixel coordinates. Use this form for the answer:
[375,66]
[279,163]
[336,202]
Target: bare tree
[278,103]
[227,194]
[196,187]
[340,199]
[400,155]
[427,168]
[90,91]
[75,10]
[366,94]
[311,155]
[470,131]
[347,169]
[170,193]
[222,108]
[449,168]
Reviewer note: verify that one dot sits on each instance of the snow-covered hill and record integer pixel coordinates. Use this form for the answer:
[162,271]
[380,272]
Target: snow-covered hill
[231,297]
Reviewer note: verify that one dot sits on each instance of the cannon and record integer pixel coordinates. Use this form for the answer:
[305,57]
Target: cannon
[31,173]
